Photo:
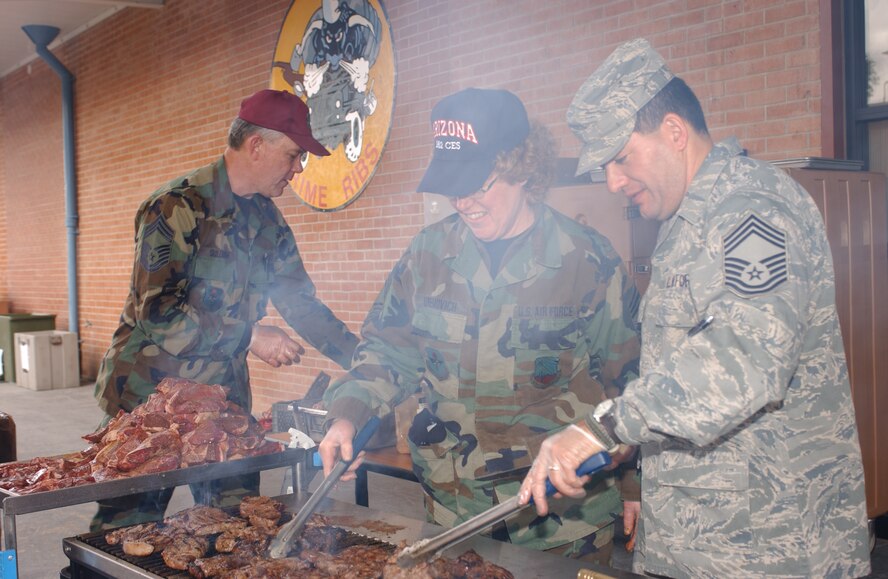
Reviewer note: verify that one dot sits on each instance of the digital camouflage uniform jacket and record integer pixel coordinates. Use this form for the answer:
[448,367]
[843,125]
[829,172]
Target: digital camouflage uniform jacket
[206,263]
[750,460]
[502,362]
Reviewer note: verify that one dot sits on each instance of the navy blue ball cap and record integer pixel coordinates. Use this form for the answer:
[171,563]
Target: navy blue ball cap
[471,127]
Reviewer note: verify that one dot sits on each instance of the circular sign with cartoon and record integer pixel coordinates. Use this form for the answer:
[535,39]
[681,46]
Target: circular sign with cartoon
[337,56]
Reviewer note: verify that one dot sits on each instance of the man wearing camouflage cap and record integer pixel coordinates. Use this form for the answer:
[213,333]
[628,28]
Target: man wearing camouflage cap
[211,250]
[751,465]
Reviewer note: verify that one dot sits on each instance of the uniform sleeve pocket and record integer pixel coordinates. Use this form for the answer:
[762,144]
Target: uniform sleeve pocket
[719,471]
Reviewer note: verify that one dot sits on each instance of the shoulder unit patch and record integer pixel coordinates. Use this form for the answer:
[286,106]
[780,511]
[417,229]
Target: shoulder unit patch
[755,257]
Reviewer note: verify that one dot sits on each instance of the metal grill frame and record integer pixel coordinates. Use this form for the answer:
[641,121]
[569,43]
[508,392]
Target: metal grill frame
[523,563]
[13,504]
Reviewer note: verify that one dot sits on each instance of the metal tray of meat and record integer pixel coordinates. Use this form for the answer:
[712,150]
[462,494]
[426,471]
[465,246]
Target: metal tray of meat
[93,557]
[18,504]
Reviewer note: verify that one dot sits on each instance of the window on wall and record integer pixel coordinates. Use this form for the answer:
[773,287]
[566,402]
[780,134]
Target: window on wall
[866,50]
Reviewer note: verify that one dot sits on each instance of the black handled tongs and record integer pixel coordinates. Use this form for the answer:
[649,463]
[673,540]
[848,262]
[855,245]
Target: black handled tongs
[281,544]
[425,548]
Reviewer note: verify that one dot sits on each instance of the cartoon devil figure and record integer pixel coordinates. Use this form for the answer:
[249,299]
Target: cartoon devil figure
[338,49]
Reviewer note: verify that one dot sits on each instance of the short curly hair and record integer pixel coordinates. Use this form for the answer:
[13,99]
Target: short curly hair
[532,162]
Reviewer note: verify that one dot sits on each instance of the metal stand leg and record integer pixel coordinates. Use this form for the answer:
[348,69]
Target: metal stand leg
[297,479]
[8,565]
[8,531]
[8,561]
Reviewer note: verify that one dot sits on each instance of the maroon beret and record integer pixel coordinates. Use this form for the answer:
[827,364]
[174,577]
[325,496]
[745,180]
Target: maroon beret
[284,112]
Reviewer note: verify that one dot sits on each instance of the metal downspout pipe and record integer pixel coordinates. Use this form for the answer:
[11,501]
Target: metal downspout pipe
[41,36]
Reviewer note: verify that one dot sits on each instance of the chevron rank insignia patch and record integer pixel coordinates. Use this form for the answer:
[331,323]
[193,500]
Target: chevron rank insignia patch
[755,257]
[157,244]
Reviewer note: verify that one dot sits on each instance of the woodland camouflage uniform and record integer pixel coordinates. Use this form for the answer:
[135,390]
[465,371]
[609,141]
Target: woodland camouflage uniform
[502,362]
[206,263]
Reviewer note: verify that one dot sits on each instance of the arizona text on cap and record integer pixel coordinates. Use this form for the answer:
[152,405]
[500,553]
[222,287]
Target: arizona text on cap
[471,127]
[602,113]
[284,112]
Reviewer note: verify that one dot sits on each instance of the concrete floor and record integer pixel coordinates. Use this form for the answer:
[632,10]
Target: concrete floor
[51,422]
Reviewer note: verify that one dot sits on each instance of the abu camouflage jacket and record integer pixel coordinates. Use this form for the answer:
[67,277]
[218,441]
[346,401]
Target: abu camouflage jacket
[206,263]
[750,459]
[502,362]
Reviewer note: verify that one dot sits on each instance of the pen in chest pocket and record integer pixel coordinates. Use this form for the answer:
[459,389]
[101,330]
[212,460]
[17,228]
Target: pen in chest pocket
[700,326]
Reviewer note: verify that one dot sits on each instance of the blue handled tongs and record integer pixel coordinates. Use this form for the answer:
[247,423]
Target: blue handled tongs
[281,544]
[425,548]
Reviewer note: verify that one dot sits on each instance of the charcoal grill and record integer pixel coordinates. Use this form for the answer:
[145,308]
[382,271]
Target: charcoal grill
[92,558]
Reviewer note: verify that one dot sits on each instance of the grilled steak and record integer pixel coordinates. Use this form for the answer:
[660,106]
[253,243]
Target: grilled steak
[274,569]
[261,507]
[142,540]
[355,561]
[219,565]
[319,535]
[202,520]
[132,533]
[185,550]
[255,538]
[469,565]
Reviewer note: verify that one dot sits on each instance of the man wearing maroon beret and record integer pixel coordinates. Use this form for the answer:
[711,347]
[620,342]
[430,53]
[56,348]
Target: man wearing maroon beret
[211,249]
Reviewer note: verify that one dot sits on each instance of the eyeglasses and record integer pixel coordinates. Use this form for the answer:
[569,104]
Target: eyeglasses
[477,194]
[485,188]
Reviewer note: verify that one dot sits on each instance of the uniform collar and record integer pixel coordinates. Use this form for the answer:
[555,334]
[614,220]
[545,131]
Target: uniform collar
[223,196]
[542,250]
[693,206]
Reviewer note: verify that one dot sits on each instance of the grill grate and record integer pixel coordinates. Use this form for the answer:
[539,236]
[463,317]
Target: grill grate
[154,563]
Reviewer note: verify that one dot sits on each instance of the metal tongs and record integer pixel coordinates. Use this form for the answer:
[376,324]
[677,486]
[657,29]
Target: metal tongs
[425,548]
[281,544]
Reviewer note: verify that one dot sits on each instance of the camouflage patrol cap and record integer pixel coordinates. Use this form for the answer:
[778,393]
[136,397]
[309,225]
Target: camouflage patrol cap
[602,113]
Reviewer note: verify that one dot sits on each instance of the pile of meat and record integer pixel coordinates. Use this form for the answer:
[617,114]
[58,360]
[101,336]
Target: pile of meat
[186,538]
[182,424]
[208,542]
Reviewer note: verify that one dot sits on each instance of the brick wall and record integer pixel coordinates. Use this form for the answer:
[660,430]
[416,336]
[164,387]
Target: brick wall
[156,90]
[4,276]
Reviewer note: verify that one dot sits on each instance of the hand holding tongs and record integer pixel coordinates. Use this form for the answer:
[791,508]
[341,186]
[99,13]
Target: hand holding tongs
[435,545]
[280,546]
